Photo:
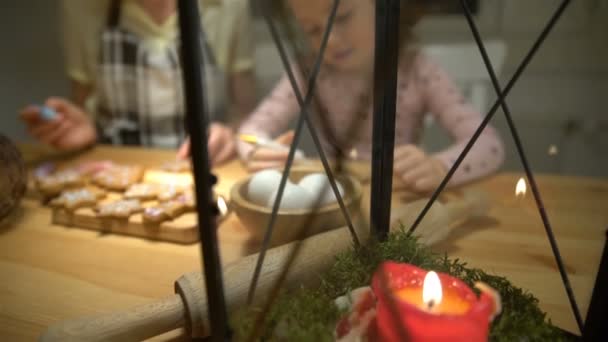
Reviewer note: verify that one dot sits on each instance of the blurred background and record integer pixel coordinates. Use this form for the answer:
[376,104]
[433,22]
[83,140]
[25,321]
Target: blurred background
[558,105]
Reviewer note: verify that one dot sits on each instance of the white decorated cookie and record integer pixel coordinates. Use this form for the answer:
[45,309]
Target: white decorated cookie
[169,192]
[142,191]
[118,178]
[177,166]
[119,209]
[164,211]
[78,198]
[51,185]
[188,198]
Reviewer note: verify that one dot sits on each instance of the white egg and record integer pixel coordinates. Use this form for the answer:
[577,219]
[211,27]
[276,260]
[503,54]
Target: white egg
[294,197]
[318,185]
[262,184]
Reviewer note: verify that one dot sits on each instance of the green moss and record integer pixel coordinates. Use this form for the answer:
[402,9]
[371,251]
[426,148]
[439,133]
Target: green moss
[308,314]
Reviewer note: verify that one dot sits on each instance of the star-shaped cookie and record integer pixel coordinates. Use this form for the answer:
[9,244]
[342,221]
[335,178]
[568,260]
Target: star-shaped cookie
[119,208]
[78,198]
[53,184]
[118,178]
[142,191]
[164,211]
[177,166]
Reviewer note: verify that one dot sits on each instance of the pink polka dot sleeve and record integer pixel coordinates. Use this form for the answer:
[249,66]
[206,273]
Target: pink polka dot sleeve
[271,117]
[460,120]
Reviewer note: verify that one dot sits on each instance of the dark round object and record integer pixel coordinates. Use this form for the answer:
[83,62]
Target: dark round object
[13,177]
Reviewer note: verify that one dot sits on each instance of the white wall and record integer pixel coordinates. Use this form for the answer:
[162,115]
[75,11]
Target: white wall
[561,97]
[30,63]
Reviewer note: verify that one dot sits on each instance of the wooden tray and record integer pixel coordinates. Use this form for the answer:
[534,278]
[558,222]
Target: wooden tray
[182,229]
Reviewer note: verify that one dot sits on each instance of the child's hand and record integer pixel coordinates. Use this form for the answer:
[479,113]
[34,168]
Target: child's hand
[221,145]
[417,170]
[266,158]
[68,128]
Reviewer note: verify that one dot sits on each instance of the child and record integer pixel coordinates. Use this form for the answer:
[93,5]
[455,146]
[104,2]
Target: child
[344,87]
[124,66]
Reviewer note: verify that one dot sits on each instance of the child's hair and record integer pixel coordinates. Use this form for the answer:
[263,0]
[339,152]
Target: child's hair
[411,12]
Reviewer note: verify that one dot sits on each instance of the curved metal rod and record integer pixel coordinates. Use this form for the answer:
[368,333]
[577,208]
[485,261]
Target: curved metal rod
[311,128]
[526,165]
[484,123]
[290,157]
[491,113]
[317,142]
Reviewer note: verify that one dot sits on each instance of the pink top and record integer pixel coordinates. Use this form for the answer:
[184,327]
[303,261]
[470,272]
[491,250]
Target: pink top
[423,88]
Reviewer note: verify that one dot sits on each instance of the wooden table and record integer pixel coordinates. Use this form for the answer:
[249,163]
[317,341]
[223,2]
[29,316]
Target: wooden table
[49,273]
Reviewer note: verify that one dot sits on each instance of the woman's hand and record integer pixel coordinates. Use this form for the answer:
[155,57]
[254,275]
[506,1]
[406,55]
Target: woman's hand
[417,170]
[221,145]
[266,158]
[69,129]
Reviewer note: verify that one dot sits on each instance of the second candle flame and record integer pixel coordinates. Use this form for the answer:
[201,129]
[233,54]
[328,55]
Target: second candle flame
[520,188]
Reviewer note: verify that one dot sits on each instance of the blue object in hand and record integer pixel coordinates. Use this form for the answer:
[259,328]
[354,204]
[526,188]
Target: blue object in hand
[47,113]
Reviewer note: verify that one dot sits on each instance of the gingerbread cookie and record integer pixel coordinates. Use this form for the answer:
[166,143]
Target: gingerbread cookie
[143,191]
[52,185]
[177,166]
[169,192]
[164,211]
[118,178]
[78,198]
[119,209]
[44,170]
[92,167]
[188,198]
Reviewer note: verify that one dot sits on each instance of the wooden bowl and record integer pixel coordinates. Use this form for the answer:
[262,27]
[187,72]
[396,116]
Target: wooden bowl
[288,223]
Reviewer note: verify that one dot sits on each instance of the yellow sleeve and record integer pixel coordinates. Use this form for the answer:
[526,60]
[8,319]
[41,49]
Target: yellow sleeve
[82,22]
[227,24]
[243,47]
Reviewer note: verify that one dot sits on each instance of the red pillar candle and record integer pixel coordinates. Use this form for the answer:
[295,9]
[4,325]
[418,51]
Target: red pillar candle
[454,314]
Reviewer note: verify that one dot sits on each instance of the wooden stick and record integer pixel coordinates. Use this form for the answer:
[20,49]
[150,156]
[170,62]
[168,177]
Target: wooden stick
[189,305]
[134,324]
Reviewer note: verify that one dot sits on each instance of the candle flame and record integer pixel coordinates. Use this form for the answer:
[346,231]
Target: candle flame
[520,188]
[431,290]
[222,206]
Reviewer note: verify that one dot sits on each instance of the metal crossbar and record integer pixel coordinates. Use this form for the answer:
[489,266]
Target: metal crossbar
[526,165]
[305,117]
[293,253]
[386,62]
[197,119]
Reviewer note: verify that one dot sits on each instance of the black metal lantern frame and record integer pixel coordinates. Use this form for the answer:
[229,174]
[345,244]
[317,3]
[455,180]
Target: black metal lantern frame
[383,141]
